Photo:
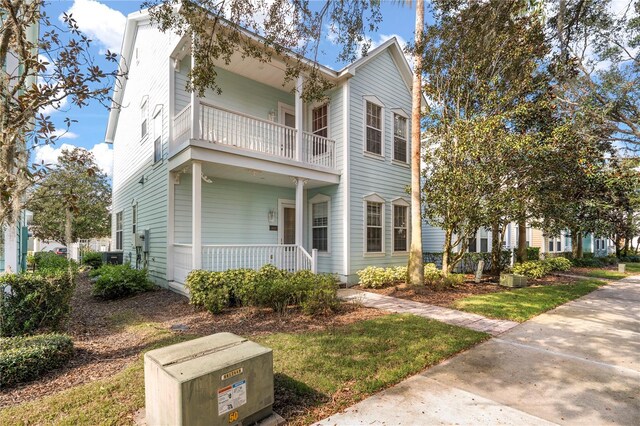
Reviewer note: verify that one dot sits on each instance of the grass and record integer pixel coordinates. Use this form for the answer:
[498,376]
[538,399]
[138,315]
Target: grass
[633,268]
[525,303]
[316,373]
[604,274]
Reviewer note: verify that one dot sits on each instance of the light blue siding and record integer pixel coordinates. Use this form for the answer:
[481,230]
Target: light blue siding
[368,174]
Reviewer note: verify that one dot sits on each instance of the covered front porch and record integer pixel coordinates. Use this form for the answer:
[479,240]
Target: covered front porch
[226,217]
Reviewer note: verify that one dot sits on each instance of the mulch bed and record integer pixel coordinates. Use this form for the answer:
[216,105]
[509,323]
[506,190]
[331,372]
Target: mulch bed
[105,346]
[445,298]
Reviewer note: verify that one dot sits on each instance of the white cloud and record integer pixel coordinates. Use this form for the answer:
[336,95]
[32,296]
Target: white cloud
[101,23]
[103,154]
[384,37]
[64,134]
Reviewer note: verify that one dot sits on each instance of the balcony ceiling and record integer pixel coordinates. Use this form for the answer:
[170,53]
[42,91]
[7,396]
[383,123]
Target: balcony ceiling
[270,73]
[223,171]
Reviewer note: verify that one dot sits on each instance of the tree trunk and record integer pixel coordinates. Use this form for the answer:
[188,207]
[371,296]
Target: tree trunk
[446,251]
[579,252]
[67,230]
[496,248]
[521,255]
[415,269]
[574,243]
[618,243]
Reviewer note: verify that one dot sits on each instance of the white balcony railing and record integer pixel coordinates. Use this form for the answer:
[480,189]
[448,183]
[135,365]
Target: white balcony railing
[182,261]
[225,127]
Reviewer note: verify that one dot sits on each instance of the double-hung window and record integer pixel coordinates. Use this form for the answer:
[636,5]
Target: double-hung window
[400,228]
[374,226]
[399,138]
[320,127]
[119,231]
[373,128]
[144,117]
[157,135]
[134,218]
[472,245]
[320,226]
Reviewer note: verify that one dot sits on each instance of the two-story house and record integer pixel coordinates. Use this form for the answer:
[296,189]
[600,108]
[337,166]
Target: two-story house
[254,175]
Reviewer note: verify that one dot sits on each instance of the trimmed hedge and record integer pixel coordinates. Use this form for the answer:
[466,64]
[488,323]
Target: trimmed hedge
[46,261]
[92,259]
[540,268]
[377,277]
[118,281]
[469,262]
[32,302]
[27,358]
[268,287]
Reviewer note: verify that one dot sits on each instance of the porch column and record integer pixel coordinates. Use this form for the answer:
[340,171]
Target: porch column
[299,118]
[196,203]
[170,226]
[11,249]
[299,211]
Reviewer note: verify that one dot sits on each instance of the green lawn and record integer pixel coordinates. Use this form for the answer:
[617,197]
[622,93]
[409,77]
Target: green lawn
[316,373]
[633,268]
[525,303]
[604,274]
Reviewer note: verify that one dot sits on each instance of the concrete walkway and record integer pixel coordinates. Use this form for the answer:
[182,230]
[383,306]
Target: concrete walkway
[449,316]
[578,364]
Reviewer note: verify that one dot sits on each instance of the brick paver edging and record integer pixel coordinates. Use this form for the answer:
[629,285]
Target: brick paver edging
[446,315]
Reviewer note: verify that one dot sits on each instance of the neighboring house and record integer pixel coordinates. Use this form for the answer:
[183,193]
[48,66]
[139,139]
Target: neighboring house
[255,175]
[14,245]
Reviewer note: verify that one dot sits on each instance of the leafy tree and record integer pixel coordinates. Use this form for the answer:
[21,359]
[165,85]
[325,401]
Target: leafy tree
[42,66]
[73,201]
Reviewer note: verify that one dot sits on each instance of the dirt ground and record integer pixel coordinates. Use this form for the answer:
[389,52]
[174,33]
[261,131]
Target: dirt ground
[105,345]
[445,298]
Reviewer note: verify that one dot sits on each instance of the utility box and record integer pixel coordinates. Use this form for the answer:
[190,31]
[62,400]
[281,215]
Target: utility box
[513,280]
[222,379]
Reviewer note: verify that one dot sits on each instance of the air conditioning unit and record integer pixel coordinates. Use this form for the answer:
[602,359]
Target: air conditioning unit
[222,379]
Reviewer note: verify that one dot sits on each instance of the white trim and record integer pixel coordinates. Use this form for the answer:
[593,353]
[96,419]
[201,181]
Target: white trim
[144,117]
[282,203]
[393,139]
[196,213]
[373,198]
[400,202]
[310,116]
[375,101]
[401,112]
[318,199]
[171,192]
[346,196]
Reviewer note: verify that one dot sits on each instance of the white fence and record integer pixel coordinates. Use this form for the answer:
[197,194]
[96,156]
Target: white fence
[79,248]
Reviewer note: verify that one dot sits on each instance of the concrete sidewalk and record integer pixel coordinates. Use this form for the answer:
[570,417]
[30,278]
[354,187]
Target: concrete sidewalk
[449,316]
[578,364]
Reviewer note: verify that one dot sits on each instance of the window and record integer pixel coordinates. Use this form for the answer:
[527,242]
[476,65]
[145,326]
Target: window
[320,226]
[134,217]
[551,245]
[472,245]
[157,134]
[144,116]
[558,245]
[374,227]
[374,128]
[400,220]
[320,127]
[484,245]
[119,231]
[399,138]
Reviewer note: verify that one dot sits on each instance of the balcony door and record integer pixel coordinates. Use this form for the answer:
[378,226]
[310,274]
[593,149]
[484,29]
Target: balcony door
[287,118]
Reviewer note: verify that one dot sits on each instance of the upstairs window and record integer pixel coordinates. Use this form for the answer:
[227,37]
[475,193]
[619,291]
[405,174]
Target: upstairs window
[144,117]
[399,138]
[157,134]
[134,217]
[320,226]
[400,230]
[320,127]
[119,231]
[374,128]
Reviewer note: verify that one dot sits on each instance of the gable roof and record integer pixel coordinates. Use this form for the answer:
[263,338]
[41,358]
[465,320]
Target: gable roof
[134,19]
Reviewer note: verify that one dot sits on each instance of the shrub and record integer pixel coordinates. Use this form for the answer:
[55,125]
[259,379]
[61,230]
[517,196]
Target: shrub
[375,277]
[31,302]
[533,253]
[630,259]
[242,285]
[49,261]
[609,260]
[558,263]
[322,296]
[27,358]
[276,294]
[208,290]
[588,262]
[432,275]
[92,259]
[532,269]
[117,281]
[449,281]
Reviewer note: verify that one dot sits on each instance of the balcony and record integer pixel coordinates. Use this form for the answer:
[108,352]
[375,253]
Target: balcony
[221,126]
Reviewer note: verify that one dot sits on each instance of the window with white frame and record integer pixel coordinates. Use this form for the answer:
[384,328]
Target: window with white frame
[157,135]
[374,224]
[144,117]
[400,226]
[558,245]
[399,138]
[119,231]
[320,127]
[134,218]
[373,128]
[551,245]
[320,226]
[472,245]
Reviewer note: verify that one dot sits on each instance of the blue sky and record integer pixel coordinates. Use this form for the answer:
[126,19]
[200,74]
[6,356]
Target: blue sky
[103,22]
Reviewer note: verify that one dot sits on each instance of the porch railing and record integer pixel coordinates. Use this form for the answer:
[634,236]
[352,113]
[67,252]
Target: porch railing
[225,127]
[289,257]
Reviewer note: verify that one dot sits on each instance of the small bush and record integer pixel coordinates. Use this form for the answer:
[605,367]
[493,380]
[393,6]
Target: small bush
[93,259]
[610,260]
[242,285]
[276,294]
[587,262]
[630,259]
[375,277]
[322,296]
[432,275]
[208,290]
[117,281]
[449,281]
[27,358]
[558,263]
[49,261]
[532,269]
[32,302]
[533,253]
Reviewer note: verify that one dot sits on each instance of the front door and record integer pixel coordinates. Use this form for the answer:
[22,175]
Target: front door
[289,225]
